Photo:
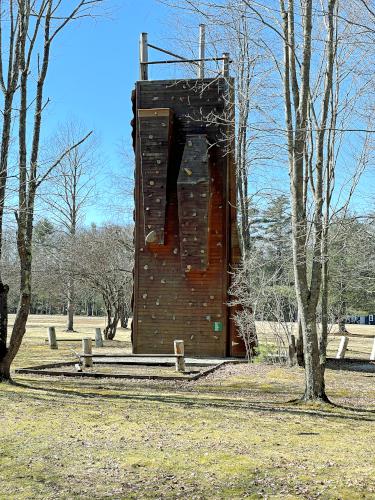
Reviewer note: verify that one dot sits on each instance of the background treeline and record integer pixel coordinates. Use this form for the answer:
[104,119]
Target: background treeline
[265,280]
[90,272]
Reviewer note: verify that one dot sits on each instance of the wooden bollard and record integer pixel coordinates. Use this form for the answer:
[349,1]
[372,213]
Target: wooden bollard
[372,357]
[98,338]
[342,347]
[87,352]
[52,337]
[179,352]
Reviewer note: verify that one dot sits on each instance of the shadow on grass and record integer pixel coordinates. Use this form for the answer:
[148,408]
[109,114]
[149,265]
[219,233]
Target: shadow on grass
[206,400]
[352,365]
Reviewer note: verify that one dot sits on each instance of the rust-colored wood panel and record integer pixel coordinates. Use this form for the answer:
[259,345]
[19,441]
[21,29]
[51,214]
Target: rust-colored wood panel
[193,203]
[155,130]
[170,303]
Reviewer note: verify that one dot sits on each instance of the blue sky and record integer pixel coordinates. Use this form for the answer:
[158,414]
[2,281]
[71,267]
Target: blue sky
[94,64]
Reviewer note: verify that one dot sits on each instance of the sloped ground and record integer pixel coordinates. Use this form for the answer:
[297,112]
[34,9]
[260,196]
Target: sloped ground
[230,435]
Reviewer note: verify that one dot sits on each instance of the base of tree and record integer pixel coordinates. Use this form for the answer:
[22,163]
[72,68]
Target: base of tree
[5,374]
[322,399]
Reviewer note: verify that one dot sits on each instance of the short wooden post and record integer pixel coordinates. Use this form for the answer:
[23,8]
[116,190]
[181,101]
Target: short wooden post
[87,352]
[202,50]
[342,347]
[98,338]
[52,337]
[225,69]
[179,352]
[143,57]
[372,357]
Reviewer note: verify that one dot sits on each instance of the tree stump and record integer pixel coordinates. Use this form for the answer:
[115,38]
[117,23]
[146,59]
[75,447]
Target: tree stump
[342,347]
[98,338]
[52,337]
[87,352]
[179,352]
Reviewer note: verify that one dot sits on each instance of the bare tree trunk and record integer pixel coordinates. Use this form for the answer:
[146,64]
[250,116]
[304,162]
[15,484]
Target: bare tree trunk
[4,367]
[111,326]
[70,306]
[341,320]
[124,318]
[4,289]
[324,299]
[300,355]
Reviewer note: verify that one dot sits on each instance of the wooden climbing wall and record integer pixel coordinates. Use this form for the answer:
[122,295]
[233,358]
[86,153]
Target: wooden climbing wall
[185,220]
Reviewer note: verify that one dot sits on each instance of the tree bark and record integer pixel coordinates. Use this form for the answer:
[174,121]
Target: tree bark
[314,374]
[70,306]
[300,356]
[4,289]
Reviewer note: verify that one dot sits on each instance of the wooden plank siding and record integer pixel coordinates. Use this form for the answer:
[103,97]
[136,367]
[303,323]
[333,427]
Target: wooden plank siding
[170,300]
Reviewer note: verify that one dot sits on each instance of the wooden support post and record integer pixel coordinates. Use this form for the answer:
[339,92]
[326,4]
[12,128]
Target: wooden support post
[143,57]
[342,347]
[98,338]
[52,337]
[202,50]
[87,352]
[179,352]
[225,69]
[372,357]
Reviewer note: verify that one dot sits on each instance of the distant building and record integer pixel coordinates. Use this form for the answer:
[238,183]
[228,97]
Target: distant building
[361,320]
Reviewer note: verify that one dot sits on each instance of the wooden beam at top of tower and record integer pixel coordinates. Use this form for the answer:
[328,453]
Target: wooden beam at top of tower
[193,191]
[155,132]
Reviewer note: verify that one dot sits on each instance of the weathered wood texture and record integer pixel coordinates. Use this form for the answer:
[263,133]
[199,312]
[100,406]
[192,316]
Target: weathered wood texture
[193,192]
[342,347]
[87,352]
[154,127]
[170,303]
[98,338]
[52,337]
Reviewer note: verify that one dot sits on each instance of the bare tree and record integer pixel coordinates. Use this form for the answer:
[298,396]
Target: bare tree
[104,261]
[35,24]
[326,94]
[68,193]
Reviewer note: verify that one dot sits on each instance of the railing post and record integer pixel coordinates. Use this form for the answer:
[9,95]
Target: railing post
[372,356]
[342,347]
[225,69]
[87,352]
[202,50]
[179,352]
[98,338]
[143,57]
[52,337]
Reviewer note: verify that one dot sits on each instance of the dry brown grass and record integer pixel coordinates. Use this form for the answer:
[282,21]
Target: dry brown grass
[232,435]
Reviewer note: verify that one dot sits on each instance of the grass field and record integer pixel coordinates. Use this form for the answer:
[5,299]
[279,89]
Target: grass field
[234,434]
